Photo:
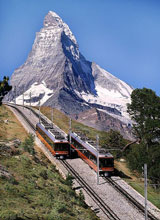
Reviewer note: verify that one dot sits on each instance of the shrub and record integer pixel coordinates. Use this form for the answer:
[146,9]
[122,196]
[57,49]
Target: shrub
[82,199]
[28,144]
[44,174]
[69,180]
[8,215]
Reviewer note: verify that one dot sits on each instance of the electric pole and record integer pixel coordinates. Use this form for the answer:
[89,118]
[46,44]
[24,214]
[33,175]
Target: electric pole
[23,98]
[15,95]
[39,112]
[52,116]
[97,140]
[70,129]
[145,190]
[30,102]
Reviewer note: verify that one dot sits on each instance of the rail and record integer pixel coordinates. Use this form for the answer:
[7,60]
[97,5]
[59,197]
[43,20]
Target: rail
[101,204]
[23,115]
[129,197]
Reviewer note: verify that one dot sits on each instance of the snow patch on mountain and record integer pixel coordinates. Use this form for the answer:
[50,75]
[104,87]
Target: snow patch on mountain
[111,99]
[34,93]
[116,96]
[124,118]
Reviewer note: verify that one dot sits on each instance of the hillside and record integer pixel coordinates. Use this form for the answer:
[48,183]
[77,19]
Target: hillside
[31,187]
[62,121]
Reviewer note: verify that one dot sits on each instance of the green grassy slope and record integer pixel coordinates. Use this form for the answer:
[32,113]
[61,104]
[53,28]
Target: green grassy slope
[35,190]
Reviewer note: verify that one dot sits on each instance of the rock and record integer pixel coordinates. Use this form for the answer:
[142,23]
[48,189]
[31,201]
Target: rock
[16,142]
[102,120]
[9,148]
[122,160]
[4,172]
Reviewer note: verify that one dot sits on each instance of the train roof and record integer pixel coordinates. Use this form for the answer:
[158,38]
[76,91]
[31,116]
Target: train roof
[52,133]
[102,152]
[53,127]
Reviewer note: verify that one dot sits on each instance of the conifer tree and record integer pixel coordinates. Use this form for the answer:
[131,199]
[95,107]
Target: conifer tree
[4,88]
[145,112]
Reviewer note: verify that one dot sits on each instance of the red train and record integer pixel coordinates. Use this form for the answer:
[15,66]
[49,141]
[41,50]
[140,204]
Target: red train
[57,142]
[89,154]
[54,140]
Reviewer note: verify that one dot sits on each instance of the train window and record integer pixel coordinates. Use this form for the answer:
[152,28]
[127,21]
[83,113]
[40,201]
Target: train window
[61,146]
[106,162]
[77,145]
[49,141]
[86,153]
[92,158]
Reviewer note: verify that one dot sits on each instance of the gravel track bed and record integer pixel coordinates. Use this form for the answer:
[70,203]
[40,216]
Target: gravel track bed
[153,209]
[114,199]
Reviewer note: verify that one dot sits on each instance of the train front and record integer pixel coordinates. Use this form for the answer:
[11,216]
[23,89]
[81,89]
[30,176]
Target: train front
[106,164]
[61,149]
[54,139]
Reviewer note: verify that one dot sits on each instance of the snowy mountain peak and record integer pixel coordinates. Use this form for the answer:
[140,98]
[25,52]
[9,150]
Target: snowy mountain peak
[54,14]
[58,75]
[53,21]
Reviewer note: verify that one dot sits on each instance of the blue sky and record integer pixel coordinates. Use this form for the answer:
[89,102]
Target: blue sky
[122,36]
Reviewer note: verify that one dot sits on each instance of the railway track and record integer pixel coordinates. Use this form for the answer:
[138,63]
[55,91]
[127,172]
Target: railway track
[23,115]
[101,204]
[129,197]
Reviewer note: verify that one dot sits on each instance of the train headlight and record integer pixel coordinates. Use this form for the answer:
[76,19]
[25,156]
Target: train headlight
[106,174]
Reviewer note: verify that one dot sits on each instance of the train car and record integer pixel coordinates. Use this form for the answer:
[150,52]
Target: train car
[54,140]
[89,154]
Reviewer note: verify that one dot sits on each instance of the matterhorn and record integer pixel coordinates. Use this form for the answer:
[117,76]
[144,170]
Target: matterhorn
[56,74]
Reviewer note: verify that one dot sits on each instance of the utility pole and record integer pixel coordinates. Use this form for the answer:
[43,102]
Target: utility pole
[145,190]
[97,140]
[52,116]
[15,95]
[30,102]
[39,112]
[23,98]
[70,130]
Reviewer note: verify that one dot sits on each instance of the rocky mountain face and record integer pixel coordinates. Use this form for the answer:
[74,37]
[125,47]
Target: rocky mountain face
[57,74]
[102,121]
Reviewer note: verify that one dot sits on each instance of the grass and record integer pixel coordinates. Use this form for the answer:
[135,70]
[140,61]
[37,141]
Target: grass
[38,192]
[134,179]
[12,129]
[36,189]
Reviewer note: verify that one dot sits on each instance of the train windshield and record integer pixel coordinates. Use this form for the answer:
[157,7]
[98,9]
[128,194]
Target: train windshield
[61,147]
[106,162]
